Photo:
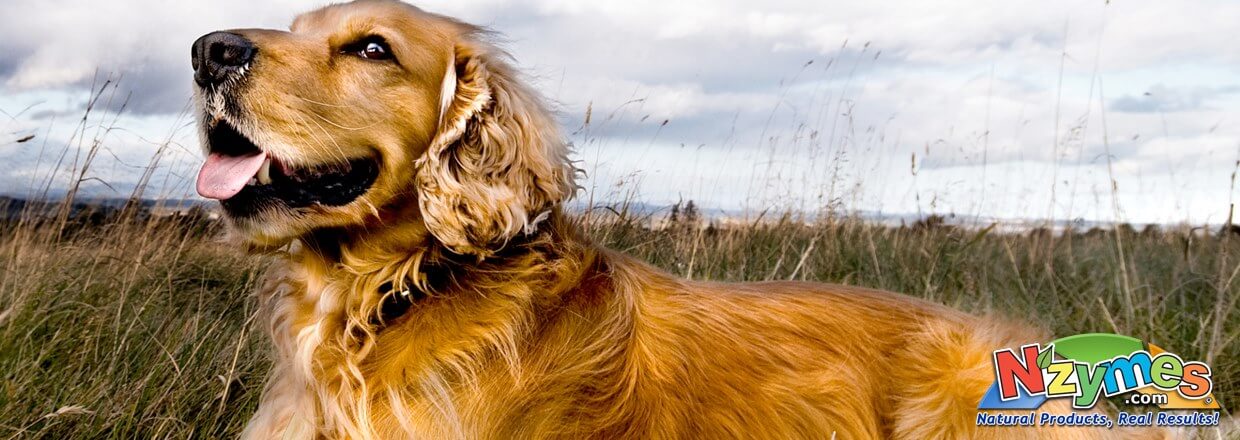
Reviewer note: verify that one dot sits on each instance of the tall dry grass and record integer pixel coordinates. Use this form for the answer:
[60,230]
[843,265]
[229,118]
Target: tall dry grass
[143,328]
[124,330]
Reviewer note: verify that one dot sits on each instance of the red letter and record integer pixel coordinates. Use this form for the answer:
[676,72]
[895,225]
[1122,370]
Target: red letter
[1009,371]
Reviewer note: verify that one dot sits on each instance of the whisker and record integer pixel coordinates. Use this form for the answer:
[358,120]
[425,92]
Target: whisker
[339,150]
[337,125]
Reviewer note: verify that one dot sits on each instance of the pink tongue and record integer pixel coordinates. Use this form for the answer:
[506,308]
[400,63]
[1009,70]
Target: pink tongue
[222,177]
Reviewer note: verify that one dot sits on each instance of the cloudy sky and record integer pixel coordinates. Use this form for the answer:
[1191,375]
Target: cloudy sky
[978,108]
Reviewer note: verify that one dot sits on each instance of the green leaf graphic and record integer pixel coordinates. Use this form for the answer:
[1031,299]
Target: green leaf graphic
[1046,356]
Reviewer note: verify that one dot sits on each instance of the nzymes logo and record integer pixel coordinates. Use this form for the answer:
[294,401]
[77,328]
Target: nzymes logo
[1087,366]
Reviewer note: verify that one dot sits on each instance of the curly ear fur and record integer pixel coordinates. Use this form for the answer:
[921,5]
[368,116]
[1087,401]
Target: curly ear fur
[498,163]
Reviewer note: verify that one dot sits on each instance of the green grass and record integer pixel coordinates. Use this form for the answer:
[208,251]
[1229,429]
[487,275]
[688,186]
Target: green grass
[145,330]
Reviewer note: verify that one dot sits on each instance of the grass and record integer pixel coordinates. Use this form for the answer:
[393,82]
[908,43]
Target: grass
[145,329]
[125,330]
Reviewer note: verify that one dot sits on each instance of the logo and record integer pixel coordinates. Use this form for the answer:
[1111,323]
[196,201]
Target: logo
[1090,366]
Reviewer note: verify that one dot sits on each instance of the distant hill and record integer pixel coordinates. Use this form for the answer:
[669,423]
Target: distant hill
[13,207]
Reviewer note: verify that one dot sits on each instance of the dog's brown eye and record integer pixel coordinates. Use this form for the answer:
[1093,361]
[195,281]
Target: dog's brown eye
[375,50]
[371,48]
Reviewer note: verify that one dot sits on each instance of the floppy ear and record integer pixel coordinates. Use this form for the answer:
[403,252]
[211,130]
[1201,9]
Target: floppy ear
[497,165]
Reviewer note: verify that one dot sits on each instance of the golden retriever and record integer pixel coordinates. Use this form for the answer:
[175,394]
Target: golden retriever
[431,285]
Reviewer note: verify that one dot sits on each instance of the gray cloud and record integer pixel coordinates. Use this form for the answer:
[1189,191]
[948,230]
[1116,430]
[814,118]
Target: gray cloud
[1161,98]
[73,44]
[155,90]
[8,64]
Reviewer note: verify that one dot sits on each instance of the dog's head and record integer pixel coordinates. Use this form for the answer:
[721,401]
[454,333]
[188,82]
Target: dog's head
[372,108]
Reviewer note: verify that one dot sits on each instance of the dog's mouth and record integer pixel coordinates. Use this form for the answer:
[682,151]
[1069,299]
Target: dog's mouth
[245,179]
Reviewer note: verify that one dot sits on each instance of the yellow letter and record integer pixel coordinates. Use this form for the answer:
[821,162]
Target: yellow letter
[1059,386]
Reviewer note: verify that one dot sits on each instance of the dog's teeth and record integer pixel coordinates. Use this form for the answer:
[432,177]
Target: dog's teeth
[264,172]
[252,182]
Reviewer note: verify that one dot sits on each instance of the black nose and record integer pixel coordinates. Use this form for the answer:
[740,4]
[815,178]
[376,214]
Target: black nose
[217,55]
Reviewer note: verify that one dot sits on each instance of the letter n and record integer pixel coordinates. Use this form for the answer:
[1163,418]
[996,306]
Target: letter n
[1010,371]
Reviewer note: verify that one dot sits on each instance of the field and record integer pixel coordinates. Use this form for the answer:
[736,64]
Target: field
[113,328]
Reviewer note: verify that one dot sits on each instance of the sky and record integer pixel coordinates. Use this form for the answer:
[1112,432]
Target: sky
[1095,110]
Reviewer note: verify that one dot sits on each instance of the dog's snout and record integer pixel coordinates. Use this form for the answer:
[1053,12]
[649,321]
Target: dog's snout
[217,55]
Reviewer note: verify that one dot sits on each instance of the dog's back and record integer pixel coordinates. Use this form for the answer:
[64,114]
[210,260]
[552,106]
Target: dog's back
[637,353]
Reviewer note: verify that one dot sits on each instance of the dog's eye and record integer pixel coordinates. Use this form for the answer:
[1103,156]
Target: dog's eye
[375,51]
[372,48]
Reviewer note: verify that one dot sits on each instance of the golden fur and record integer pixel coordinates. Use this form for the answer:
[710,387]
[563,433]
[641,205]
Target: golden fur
[524,328]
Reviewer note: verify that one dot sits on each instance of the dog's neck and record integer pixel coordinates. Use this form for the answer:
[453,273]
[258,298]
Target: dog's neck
[326,311]
[403,240]
[375,272]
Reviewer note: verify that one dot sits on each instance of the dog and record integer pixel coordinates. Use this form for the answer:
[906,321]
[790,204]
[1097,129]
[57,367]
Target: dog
[431,285]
